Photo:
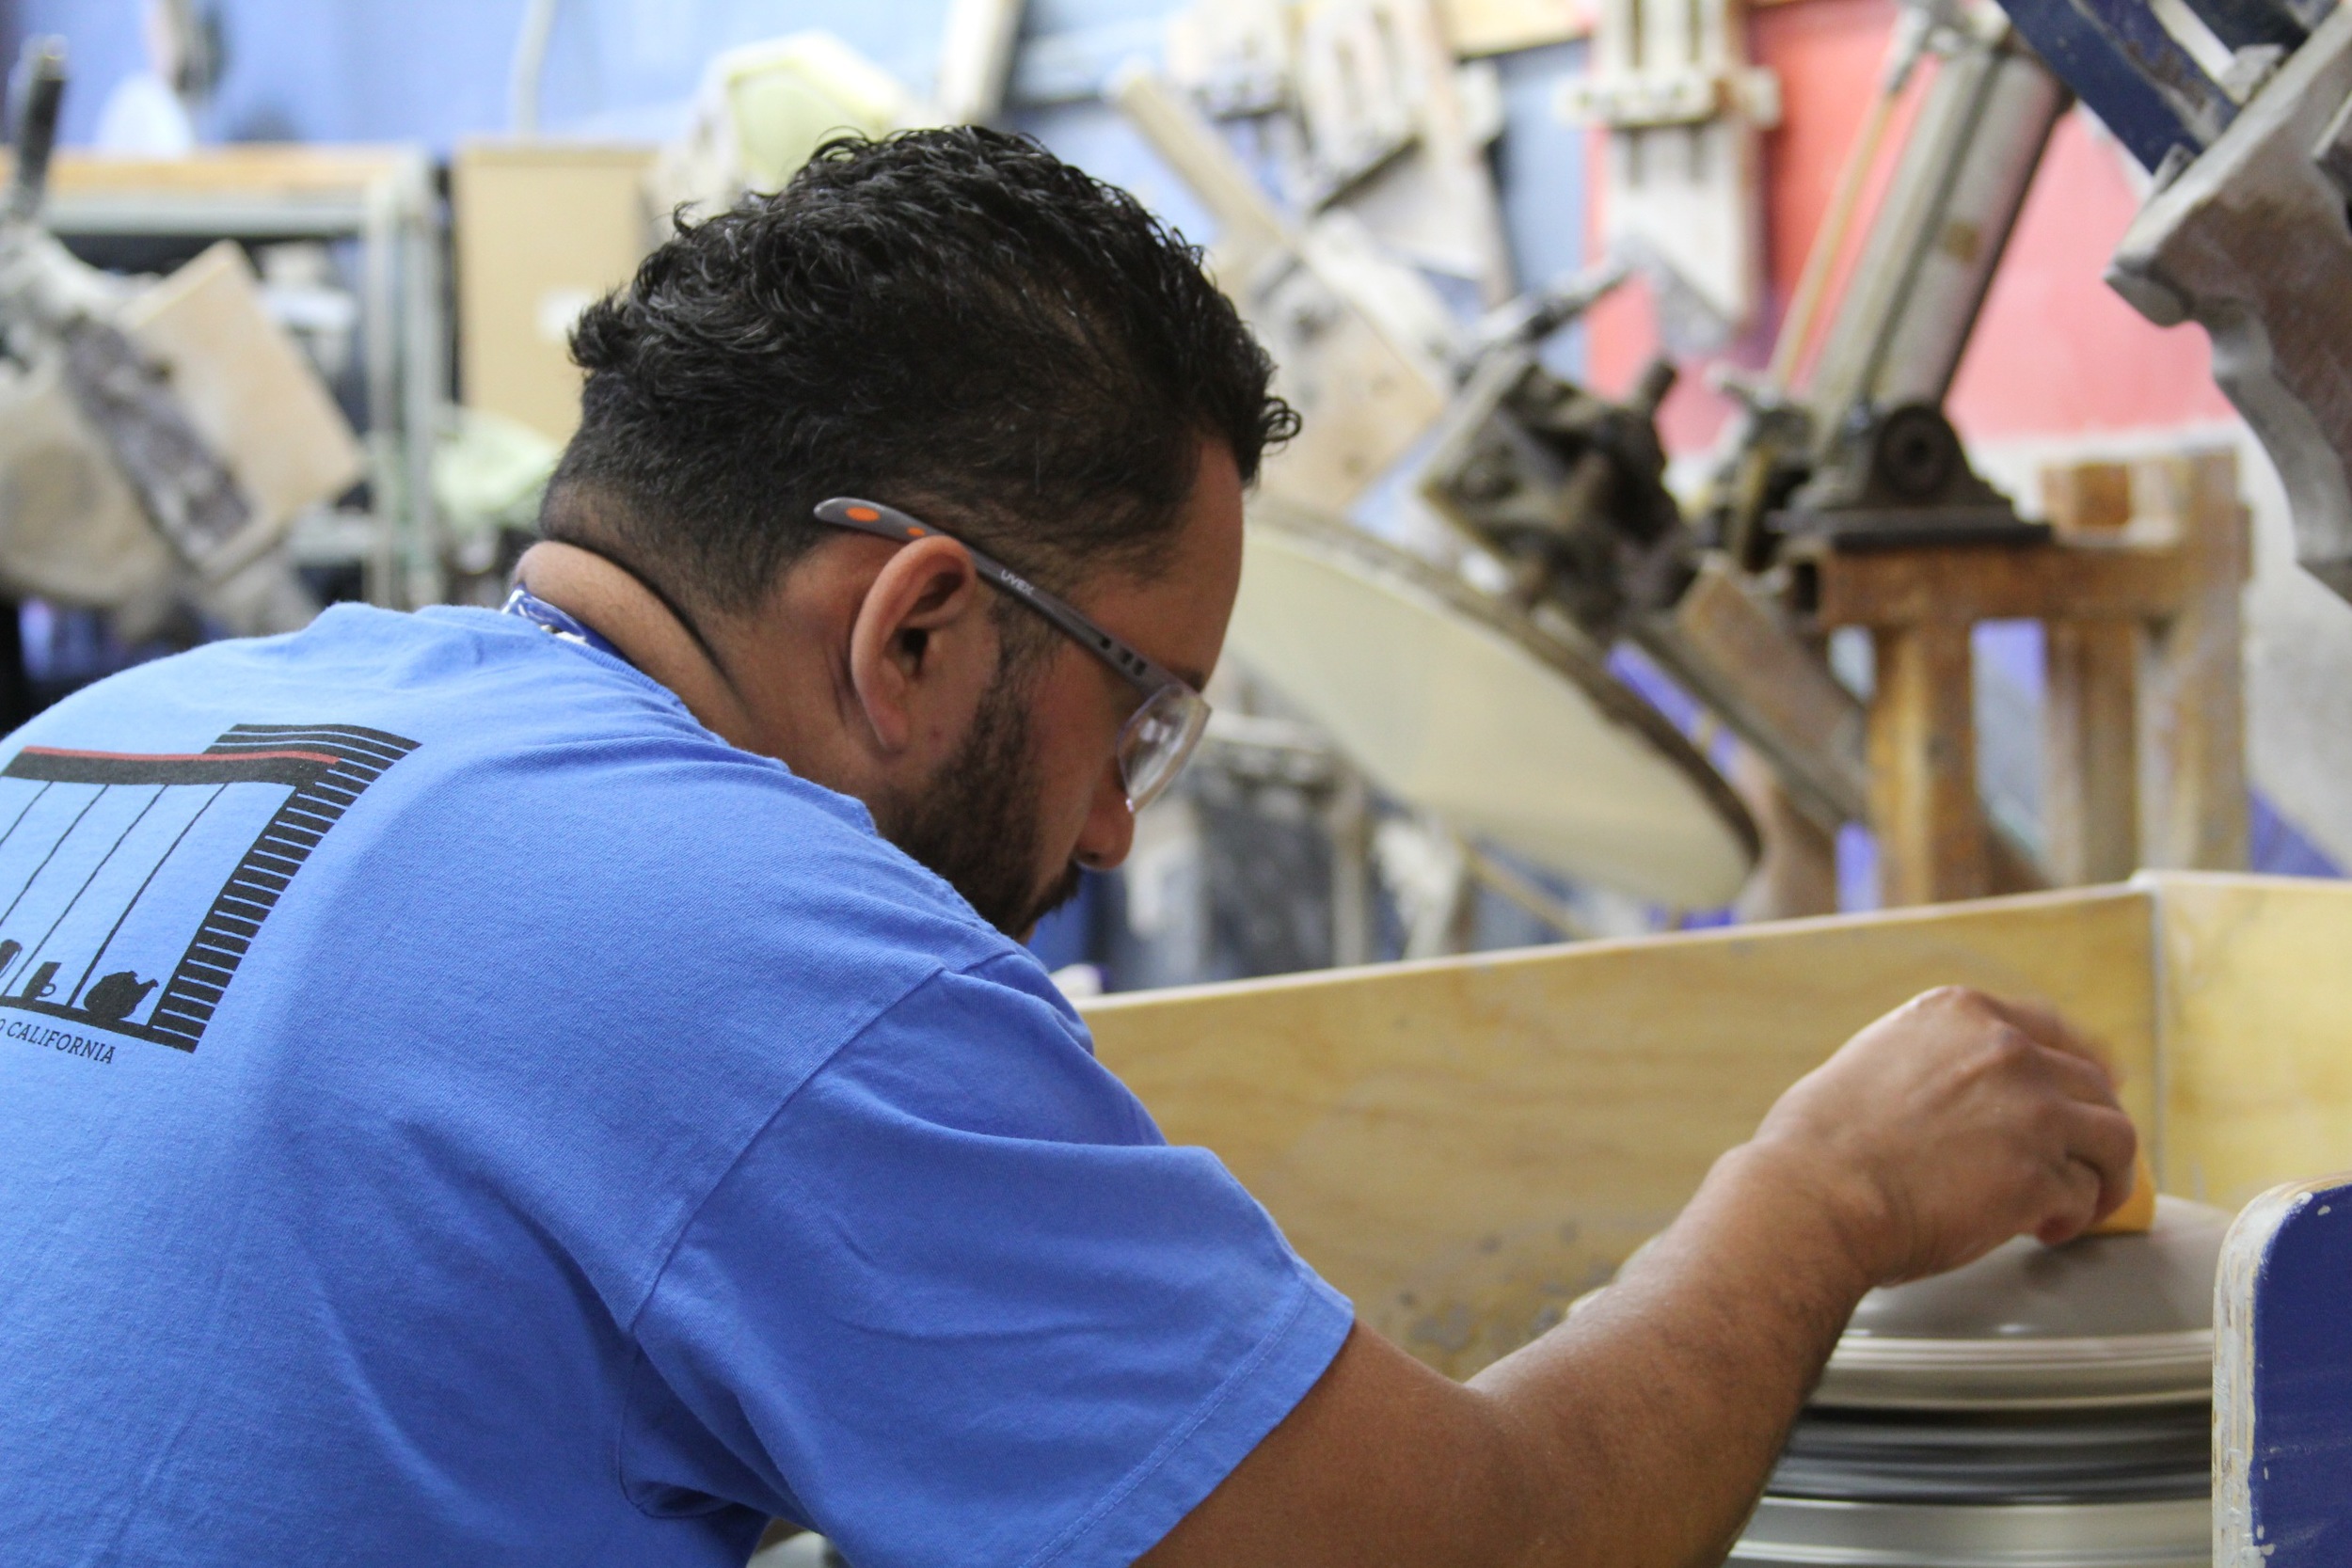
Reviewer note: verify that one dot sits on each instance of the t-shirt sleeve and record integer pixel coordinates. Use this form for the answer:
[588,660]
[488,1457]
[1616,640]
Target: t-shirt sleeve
[960,1303]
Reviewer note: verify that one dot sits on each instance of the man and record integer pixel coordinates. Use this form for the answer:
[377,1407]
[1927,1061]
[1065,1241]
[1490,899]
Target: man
[592,1104]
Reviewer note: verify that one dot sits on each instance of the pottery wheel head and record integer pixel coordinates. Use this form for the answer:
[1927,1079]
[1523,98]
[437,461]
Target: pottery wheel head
[2096,1288]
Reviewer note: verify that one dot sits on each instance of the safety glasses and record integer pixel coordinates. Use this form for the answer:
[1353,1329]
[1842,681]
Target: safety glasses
[1157,739]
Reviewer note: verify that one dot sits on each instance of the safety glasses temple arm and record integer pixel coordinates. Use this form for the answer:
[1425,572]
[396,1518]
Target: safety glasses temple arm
[888,522]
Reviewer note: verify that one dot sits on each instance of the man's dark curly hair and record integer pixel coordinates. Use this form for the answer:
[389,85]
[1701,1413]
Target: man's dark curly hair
[953,322]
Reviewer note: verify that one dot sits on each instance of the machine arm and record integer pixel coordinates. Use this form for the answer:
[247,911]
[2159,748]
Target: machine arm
[2246,232]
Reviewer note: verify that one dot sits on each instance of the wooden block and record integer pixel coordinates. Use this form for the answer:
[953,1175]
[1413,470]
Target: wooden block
[538,230]
[1923,766]
[2077,582]
[1466,1144]
[2087,499]
[2192,671]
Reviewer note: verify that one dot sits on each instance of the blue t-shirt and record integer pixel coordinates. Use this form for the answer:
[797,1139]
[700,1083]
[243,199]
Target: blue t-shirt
[455,1109]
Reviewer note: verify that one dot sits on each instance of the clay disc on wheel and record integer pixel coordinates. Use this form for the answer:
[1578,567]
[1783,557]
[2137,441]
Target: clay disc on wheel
[1459,706]
[2101,1322]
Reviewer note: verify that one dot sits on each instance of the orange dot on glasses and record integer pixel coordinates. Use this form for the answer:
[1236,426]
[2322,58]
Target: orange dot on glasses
[861,514]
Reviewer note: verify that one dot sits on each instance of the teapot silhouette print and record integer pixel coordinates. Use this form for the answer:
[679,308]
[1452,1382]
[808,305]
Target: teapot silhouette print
[116,996]
[113,998]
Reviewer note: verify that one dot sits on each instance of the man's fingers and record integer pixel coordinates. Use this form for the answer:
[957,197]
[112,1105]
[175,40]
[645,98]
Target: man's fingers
[2078,1079]
[2050,1028]
[2106,1138]
[2103,1141]
[1979,1116]
[2075,1206]
[2092,1176]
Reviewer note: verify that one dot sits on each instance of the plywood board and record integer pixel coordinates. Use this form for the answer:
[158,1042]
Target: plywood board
[539,231]
[2256,1032]
[1465,1146]
[249,393]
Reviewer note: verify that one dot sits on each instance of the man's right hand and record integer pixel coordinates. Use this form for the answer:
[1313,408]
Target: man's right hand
[1637,1433]
[1950,1125]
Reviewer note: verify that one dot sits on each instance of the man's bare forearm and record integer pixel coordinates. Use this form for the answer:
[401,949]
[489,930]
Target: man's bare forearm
[1648,1420]
[1633,1436]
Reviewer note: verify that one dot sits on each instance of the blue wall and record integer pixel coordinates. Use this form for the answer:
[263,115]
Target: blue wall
[437,70]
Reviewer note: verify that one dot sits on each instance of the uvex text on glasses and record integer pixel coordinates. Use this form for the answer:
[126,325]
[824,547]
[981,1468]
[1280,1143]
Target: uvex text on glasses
[1156,739]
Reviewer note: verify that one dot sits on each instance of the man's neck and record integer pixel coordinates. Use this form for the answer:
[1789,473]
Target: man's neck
[631,616]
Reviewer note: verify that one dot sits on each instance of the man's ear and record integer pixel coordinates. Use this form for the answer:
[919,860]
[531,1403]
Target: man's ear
[921,646]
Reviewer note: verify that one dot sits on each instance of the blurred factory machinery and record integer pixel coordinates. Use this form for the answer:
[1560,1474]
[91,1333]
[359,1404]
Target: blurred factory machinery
[157,437]
[1831,500]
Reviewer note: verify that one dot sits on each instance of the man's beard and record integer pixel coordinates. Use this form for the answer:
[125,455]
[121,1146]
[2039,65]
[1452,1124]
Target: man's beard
[976,824]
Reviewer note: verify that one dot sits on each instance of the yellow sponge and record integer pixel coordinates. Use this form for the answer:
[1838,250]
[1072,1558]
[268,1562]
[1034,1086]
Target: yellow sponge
[2138,1211]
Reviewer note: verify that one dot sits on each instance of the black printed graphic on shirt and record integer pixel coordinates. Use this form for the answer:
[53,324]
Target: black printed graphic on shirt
[132,886]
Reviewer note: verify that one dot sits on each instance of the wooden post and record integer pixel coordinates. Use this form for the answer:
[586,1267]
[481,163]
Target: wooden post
[1923,764]
[2192,670]
[2089,729]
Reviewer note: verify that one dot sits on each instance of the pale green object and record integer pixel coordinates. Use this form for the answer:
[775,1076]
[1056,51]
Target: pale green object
[488,475]
[763,108]
[786,96]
